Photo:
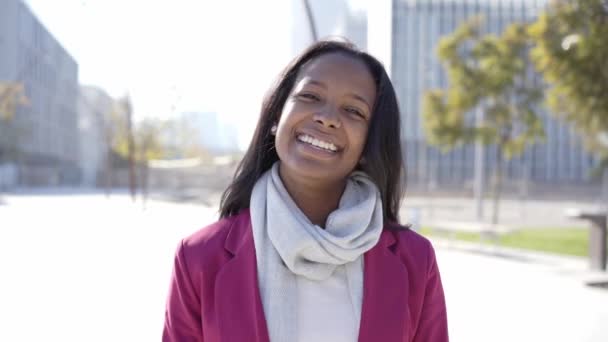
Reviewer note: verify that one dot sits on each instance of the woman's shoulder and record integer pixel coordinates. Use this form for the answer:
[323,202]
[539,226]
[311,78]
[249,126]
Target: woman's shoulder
[406,235]
[412,246]
[213,236]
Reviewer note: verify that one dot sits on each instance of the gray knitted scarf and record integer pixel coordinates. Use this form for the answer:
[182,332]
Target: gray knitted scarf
[288,245]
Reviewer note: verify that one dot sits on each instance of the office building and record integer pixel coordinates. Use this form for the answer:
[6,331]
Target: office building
[47,128]
[94,108]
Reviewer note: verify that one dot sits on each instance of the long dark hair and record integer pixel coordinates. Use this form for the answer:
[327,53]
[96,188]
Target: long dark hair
[383,160]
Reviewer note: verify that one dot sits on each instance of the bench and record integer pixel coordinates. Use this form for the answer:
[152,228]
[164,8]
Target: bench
[598,232]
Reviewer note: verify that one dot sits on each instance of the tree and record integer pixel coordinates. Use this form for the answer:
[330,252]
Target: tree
[571,51]
[183,140]
[12,95]
[120,129]
[148,134]
[488,73]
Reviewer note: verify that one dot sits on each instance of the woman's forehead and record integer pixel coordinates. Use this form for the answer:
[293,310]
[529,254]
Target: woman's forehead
[338,68]
[334,61]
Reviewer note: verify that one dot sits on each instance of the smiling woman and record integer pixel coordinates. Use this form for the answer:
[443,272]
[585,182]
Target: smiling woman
[308,247]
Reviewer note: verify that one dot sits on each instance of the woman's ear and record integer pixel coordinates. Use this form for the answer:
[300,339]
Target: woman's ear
[273,129]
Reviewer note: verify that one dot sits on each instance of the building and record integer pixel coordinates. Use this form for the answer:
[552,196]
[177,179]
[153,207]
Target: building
[46,130]
[415,30]
[94,105]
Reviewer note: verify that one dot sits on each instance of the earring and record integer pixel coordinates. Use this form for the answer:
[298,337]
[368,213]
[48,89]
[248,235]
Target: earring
[273,129]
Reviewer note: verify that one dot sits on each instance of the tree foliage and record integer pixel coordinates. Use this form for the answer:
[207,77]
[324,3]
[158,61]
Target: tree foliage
[488,71]
[12,95]
[571,51]
[148,140]
[147,134]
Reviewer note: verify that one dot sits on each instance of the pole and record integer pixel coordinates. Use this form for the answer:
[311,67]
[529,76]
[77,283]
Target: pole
[479,168]
[311,21]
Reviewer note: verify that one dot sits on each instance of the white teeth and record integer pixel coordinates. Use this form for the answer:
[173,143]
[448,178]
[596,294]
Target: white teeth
[318,143]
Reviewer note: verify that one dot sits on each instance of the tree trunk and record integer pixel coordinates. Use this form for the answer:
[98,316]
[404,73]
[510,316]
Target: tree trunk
[497,183]
[107,181]
[144,182]
[131,153]
[605,189]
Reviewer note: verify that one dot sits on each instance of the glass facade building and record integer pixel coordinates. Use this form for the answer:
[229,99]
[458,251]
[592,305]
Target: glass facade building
[417,27]
[45,130]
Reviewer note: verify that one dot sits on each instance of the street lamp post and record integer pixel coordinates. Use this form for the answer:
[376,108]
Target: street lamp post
[479,169]
[311,20]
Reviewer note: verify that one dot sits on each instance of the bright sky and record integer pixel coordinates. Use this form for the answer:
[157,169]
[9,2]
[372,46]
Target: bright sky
[178,55]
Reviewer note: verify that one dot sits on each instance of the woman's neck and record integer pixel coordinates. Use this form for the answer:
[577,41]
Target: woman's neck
[315,198]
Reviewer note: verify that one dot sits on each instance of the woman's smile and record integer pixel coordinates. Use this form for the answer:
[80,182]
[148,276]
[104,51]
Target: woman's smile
[318,143]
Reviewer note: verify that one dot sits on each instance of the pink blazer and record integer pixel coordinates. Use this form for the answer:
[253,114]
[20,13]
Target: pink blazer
[214,293]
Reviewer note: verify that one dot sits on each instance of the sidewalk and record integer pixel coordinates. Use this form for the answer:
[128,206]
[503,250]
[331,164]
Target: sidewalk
[496,295]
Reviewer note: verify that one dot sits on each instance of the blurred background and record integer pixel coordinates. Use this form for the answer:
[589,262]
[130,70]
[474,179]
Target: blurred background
[121,123]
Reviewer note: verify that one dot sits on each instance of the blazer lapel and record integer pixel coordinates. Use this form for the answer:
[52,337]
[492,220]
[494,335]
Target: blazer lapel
[239,307]
[385,311]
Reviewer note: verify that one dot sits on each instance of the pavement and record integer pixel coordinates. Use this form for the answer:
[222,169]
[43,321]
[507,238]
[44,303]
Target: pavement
[514,213]
[77,266]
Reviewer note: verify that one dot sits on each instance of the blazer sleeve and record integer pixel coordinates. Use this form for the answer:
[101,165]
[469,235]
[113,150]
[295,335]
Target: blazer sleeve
[183,309]
[433,324]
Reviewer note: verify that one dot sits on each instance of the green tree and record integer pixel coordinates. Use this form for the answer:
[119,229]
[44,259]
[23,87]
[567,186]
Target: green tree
[136,143]
[488,73]
[185,140]
[12,96]
[148,146]
[571,51]
[121,135]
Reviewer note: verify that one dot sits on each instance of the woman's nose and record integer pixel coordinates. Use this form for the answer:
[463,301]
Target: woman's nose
[328,116]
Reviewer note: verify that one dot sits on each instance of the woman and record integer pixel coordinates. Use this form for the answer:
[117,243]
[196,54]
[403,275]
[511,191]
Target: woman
[308,247]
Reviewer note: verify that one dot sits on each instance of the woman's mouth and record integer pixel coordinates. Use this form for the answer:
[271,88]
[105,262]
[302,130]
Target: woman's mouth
[324,145]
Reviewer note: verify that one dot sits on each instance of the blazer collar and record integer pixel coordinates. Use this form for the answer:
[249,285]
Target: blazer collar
[385,312]
[384,315]
[239,234]
[238,304]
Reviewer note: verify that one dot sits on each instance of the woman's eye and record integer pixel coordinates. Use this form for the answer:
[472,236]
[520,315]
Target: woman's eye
[355,111]
[309,96]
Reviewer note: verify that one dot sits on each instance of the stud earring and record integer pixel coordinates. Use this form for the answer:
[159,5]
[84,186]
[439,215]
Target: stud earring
[273,130]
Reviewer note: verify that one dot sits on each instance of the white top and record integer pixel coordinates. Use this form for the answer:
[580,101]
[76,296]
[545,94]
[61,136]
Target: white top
[326,310]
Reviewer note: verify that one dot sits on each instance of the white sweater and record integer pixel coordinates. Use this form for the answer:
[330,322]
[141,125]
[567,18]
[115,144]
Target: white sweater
[326,310]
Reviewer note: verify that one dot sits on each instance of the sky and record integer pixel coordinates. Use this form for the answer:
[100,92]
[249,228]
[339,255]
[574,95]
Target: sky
[174,56]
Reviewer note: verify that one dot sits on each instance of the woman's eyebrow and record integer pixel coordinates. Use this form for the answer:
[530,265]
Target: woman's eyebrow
[361,99]
[315,82]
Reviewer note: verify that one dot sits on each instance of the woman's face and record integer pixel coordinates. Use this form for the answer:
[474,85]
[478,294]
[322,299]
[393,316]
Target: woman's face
[324,123]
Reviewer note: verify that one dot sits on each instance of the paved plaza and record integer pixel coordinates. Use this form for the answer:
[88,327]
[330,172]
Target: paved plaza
[82,267]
